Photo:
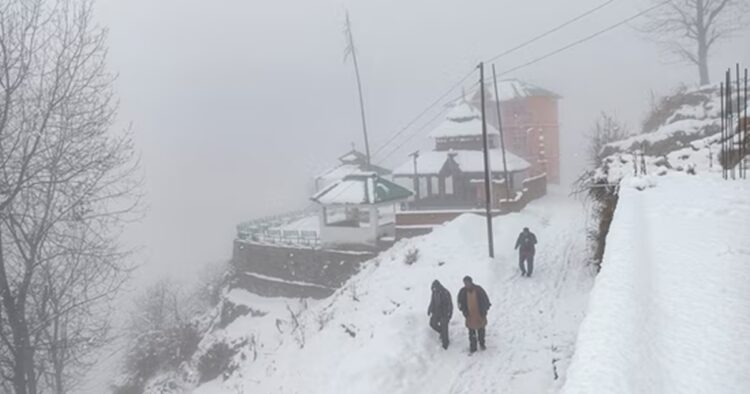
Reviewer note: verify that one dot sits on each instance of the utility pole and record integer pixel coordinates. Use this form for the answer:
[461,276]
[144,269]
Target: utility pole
[502,138]
[351,49]
[415,155]
[730,124]
[487,178]
[739,124]
[722,155]
[744,131]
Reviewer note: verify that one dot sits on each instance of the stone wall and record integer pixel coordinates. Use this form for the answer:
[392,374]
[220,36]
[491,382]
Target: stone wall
[323,267]
[269,287]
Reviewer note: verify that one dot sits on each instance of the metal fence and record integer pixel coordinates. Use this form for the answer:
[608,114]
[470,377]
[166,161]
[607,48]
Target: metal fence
[269,229]
[735,145]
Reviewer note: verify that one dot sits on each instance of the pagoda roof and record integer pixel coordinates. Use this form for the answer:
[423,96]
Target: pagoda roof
[463,120]
[362,189]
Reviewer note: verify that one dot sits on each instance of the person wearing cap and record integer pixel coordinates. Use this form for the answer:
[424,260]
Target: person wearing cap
[474,304]
[440,311]
[526,245]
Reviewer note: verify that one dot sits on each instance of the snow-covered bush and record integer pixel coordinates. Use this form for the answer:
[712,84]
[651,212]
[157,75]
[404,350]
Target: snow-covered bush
[215,361]
[163,333]
[411,257]
[155,351]
[230,312]
[668,108]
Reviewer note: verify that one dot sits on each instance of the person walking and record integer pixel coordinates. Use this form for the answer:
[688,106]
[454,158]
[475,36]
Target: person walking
[474,304]
[526,245]
[440,311]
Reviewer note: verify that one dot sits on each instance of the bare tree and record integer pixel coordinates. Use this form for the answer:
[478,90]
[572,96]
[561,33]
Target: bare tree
[607,129]
[691,28]
[67,184]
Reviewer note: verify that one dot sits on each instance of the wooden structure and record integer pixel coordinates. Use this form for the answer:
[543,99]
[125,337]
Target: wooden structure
[452,175]
[359,210]
[351,163]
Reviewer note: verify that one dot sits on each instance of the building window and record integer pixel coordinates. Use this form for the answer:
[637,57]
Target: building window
[422,187]
[449,185]
[435,185]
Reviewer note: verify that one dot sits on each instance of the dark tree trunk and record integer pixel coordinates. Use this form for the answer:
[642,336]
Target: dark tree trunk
[703,69]
[703,62]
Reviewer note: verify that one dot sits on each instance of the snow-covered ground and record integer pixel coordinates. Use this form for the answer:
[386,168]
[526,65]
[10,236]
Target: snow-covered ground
[372,336]
[670,312]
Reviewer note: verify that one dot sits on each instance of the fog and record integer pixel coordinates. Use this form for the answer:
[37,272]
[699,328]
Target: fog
[235,105]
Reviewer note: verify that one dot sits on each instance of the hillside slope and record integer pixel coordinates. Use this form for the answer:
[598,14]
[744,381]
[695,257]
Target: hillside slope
[373,336]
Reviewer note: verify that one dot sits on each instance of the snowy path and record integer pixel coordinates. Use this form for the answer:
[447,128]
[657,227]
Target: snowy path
[670,312]
[373,335]
[533,321]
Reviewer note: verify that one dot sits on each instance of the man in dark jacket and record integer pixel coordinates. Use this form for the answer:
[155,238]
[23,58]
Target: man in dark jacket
[526,245]
[474,304]
[440,311]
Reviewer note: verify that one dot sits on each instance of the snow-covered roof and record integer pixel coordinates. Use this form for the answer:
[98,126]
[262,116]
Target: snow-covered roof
[512,89]
[363,189]
[337,173]
[468,161]
[353,162]
[463,111]
[463,120]
[353,156]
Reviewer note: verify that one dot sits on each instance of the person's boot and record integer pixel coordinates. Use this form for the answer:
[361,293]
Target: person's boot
[482,346]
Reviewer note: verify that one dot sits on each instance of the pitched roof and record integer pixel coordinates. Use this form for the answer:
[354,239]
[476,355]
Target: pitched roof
[468,161]
[362,189]
[511,89]
[352,163]
[353,156]
[463,120]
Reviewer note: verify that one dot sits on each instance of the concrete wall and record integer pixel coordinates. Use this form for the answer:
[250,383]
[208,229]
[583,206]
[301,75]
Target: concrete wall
[323,267]
[534,188]
[333,236]
[417,218]
[273,288]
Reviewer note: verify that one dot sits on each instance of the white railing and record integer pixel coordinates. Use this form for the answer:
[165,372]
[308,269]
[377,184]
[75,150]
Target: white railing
[270,229]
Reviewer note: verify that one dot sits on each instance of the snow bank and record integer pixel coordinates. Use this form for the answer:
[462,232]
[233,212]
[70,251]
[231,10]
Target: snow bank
[669,311]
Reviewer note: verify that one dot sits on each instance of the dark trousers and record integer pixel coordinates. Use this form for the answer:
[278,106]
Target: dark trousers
[528,258]
[473,334]
[440,324]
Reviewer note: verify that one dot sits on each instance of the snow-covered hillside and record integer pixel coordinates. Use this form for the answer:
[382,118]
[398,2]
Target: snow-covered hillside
[670,309]
[685,138]
[373,336]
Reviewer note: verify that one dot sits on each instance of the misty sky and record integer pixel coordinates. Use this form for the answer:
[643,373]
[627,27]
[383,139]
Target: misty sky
[236,104]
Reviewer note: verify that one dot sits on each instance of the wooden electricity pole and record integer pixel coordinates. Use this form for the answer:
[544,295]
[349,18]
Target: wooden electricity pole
[487,178]
[502,139]
[351,49]
[739,125]
[415,156]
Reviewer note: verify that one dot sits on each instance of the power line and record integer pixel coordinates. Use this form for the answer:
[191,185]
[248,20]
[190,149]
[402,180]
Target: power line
[548,32]
[415,133]
[431,106]
[534,61]
[503,54]
[587,38]
[396,149]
